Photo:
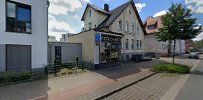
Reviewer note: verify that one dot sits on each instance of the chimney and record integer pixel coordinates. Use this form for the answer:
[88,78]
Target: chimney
[106,7]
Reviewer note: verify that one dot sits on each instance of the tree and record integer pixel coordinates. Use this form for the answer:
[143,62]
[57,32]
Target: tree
[177,24]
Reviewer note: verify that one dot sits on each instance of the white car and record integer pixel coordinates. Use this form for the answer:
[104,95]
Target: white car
[194,55]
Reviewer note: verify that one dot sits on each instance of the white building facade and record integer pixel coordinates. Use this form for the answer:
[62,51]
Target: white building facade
[23,34]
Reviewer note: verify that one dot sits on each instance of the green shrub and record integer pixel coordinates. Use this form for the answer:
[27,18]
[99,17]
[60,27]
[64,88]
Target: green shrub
[13,77]
[171,68]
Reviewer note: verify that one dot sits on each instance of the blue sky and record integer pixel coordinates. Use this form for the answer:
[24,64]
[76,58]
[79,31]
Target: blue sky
[65,15]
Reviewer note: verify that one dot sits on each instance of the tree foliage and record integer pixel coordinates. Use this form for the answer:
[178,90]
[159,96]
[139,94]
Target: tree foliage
[177,24]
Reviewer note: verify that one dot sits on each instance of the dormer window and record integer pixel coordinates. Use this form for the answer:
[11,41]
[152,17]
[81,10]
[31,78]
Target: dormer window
[120,25]
[150,27]
[90,13]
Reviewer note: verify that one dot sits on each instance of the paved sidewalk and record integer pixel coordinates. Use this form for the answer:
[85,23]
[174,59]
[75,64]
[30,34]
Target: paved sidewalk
[193,88]
[152,88]
[69,87]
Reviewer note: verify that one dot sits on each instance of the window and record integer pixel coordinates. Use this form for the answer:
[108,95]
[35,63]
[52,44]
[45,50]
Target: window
[90,13]
[90,25]
[150,27]
[132,28]
[18,17]
[127,57]
[126,44]
[140,44]
[137,30]
[120,25]
[137,44]
[127,26]
[132,45]
[129,12]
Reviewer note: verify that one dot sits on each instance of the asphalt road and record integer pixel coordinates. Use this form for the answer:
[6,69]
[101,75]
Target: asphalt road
[193,88]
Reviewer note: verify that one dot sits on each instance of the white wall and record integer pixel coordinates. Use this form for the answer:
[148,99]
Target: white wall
[39,37]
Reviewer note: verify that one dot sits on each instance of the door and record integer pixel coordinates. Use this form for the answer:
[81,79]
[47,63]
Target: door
[18,58]
[57,54]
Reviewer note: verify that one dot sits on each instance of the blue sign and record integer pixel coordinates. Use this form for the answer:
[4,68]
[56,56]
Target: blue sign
[98,37]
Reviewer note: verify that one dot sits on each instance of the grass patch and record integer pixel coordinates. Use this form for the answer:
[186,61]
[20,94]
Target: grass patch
[171,68]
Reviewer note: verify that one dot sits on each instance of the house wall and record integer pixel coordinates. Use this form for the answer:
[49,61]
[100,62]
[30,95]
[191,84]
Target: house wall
[2,57]
[137,35]
[96,18]
[88,44]
[39,37]
[180,46]
[69,52]
[151,44]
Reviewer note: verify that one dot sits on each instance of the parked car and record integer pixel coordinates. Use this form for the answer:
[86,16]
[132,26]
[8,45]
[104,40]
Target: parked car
[194,55]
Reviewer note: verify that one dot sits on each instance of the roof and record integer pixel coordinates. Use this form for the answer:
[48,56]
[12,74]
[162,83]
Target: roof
[151,21]
[96,8]
[116,12]
[113,14]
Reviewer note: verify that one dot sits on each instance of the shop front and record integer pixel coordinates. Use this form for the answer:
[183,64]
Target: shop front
[109,48]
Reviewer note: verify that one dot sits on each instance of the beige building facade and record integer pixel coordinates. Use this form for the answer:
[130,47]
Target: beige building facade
[110,35]
[152,25]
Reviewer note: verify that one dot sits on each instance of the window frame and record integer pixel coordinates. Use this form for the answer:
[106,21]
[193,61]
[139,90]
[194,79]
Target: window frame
[22,5]
[132,45]
[120,25]
[137,45]
[127,44]
[90,13]
[127,26]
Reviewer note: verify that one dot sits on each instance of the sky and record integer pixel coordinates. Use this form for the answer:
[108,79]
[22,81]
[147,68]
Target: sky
[65,15]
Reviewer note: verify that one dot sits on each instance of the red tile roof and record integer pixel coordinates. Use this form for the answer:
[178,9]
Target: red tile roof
[153,21]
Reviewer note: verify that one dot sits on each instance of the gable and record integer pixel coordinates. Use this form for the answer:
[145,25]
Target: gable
[117,12]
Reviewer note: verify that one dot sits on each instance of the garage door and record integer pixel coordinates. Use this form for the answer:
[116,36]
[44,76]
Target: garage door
[18,58]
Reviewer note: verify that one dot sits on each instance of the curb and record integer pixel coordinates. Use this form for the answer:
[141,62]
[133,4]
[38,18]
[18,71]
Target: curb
[121,88]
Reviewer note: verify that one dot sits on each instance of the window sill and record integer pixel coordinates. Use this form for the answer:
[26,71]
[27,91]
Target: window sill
[18,32]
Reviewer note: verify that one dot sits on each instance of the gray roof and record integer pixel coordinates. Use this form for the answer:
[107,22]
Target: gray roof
[98,8]
[114,14]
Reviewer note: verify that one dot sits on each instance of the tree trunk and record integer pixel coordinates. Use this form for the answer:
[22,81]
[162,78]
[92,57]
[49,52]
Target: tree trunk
[169,47]
[174,48]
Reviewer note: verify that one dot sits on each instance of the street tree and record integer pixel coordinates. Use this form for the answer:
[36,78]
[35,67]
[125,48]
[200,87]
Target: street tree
[177,25]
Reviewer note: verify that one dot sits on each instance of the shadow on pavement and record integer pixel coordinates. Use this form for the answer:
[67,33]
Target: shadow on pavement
[196,72]
[127,69]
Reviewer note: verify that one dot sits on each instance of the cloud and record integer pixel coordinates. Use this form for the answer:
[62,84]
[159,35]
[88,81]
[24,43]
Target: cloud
[76,17]
[160,13]
[56,28]
[199,37]
[57,9]
[63,6]
[140,6]
[195,5]
[86,0]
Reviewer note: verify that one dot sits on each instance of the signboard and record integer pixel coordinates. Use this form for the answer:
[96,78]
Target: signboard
[97,39]
[110,38]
